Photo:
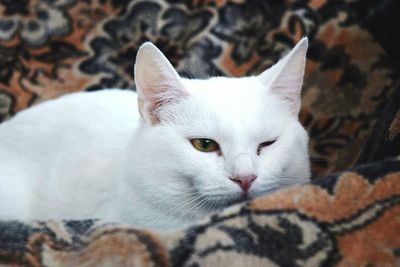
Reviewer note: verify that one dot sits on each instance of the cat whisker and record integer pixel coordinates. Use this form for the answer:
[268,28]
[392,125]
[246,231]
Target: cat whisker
[178,207]
[182,190]
[178,196]
[198,205]
[212,206]
[177,200]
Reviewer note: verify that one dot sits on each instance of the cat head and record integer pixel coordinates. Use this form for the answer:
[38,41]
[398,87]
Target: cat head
[209,143]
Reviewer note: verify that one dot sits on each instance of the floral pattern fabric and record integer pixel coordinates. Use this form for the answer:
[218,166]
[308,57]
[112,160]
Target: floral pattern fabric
[346,219]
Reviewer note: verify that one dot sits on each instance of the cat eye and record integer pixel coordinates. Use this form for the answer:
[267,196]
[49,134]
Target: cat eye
[204,144]
[264,144]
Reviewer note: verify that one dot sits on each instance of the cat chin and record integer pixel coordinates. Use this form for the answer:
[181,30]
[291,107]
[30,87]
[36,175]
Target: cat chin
[219,202]
[224,201]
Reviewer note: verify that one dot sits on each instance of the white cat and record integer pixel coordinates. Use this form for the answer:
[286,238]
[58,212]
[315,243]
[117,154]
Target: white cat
[198,145]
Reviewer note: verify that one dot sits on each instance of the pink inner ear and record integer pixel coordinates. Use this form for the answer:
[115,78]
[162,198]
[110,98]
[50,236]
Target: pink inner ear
[151,106]
[290,94]
[287,76]
[157,82]
[288,91]
[152,111]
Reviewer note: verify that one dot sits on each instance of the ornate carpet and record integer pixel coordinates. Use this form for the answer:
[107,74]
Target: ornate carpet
[346,219]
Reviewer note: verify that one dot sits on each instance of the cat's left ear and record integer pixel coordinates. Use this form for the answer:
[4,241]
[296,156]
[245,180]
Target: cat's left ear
[286,77]
[157,82]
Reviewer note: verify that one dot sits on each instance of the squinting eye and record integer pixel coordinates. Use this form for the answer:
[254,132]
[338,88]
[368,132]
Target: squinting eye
[264,144]
[204,144]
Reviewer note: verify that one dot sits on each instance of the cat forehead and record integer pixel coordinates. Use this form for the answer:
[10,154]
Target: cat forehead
[233,100]
[232,110]
[226,90]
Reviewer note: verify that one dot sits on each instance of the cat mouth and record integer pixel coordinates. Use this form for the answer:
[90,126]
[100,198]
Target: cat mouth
[215,202]
[245,196]
[223,201]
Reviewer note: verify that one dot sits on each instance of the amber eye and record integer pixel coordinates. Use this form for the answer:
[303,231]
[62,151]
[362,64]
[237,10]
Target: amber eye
[264,144]
[204,144]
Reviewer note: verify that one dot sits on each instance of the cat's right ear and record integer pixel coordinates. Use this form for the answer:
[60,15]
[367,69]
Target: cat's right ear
[157,82]
[286,77]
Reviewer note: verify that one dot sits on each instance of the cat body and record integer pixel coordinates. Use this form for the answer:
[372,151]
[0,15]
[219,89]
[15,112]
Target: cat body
[195,146]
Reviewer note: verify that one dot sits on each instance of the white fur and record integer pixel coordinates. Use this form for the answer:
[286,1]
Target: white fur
[91,155]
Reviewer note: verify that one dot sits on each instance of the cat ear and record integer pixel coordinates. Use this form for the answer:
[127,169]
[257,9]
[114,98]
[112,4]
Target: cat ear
[157,82]
[286,77]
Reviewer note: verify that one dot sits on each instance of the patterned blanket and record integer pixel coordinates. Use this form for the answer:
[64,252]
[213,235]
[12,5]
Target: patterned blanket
[50,48]
[346,219]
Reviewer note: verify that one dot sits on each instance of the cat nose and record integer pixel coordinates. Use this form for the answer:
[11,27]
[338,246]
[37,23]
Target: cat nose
[244,181]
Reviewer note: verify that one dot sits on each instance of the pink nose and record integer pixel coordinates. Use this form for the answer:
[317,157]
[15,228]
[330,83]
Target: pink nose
[244,181]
